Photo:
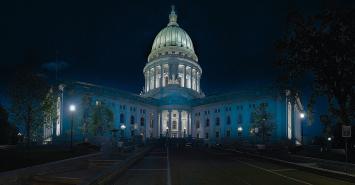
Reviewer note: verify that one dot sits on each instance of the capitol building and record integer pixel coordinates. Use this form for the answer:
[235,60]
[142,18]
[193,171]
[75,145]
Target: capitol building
[173,104]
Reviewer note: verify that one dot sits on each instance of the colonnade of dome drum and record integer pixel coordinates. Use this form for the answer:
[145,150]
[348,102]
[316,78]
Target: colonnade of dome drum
[161,75]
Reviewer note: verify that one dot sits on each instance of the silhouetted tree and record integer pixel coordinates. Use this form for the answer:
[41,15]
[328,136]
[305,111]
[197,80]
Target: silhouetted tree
[8,133]
[321,49]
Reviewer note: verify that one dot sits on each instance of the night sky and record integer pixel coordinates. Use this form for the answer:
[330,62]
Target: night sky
[108,42]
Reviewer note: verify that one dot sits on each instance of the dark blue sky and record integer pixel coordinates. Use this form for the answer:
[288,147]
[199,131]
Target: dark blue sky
[107,42]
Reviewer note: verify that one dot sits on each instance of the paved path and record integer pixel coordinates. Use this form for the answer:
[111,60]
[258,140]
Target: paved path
[205,167]
[211,167]
[151,170]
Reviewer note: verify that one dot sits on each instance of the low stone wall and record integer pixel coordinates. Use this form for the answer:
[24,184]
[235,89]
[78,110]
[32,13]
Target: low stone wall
[22,176]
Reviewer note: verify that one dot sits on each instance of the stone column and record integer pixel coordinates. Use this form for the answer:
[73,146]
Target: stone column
[180,125]
[145,81]
[148,80]
[154,77]
[196,79]
[161,75]
[188,129]
[185,76]
[169,123]
[191,78]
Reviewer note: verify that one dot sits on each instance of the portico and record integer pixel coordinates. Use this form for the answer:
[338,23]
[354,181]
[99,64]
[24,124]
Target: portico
[174,123]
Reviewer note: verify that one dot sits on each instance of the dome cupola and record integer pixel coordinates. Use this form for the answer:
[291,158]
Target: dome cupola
[172,66]
[172,40]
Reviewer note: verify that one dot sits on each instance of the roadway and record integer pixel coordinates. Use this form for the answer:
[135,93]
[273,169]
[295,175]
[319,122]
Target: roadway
[212,167]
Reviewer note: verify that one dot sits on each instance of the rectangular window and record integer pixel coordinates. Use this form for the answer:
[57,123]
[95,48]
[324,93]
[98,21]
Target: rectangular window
[206,136]
[229,121]
[217,121]
[217,134]
[228,133]
[174,125]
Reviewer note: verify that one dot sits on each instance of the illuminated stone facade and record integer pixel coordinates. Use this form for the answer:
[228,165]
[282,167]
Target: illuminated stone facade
[172,103]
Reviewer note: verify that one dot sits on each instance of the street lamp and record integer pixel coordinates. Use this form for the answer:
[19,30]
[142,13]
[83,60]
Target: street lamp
[167,131]
[72,109]
[302,116]
[122,130]
[240,130]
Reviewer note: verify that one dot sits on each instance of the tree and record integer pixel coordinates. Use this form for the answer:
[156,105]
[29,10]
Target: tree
[86,107]
[101,120]
[31,101]
[8,133]
[262,121]
[49,108]
[321,49]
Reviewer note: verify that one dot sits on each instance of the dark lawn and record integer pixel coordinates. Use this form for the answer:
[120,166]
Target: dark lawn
[21,157]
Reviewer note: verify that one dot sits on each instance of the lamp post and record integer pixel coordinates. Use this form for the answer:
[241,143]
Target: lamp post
[302,116]
[240,130]
[123,127]
[72,109]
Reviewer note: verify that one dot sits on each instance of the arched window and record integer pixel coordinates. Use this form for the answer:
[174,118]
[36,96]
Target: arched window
[142,121]
[132,120]
[229,120]
[122,118]
[207,122]
[217,121]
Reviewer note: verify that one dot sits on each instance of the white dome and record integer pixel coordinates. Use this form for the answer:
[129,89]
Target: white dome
[172,36]
[172,40]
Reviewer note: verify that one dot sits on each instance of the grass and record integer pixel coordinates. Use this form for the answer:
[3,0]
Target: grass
[20,157]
